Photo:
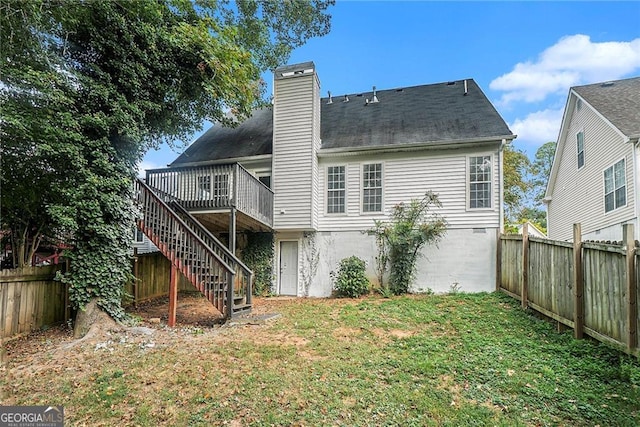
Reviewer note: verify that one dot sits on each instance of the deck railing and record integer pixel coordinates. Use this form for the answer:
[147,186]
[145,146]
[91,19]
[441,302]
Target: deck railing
[204,268]
[215,187]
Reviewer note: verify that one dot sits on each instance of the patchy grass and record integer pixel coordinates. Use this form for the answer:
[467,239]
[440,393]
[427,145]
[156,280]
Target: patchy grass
[421,360]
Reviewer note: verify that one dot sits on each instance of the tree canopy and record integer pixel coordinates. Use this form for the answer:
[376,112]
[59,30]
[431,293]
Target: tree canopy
[525,183]
[88,87]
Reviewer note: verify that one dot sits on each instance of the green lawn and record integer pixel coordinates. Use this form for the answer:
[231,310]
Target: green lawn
[410,361]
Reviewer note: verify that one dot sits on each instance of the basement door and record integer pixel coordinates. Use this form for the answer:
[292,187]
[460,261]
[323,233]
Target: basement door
[288,268]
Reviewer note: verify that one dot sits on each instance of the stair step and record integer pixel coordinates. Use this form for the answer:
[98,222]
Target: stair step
[241,309]
[237,299]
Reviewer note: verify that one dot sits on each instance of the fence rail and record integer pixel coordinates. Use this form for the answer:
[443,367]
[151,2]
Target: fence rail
[590,287]
[30,299]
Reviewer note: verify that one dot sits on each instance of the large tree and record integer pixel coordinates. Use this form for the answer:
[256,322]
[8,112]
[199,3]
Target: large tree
[541,169]
[88,87]
[515,170]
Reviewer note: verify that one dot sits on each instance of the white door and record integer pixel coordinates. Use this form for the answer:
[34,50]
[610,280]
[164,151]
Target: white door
[288,268]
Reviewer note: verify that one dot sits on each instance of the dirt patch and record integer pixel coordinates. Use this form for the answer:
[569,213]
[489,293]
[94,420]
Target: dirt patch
[345,334]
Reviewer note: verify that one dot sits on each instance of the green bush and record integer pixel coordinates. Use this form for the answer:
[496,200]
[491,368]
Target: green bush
[350,280]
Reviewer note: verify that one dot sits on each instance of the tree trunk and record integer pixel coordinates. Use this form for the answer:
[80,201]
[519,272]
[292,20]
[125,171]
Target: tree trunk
[92,319]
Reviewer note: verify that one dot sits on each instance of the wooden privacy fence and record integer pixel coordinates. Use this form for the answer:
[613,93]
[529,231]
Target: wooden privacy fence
[152,272]
[30,298]
[590,287]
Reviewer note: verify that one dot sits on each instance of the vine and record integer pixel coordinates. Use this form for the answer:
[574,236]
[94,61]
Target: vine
[312,259]
[258,256]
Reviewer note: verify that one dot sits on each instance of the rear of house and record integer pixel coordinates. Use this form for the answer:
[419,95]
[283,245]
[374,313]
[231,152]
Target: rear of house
[594,179]
[334,165]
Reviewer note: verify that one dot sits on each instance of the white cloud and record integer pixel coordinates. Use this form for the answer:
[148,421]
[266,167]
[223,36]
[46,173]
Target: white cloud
[144,165]
[538,127]
[572,61]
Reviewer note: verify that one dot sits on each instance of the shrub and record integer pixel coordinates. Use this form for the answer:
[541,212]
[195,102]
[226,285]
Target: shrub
[399,240]
[350,280]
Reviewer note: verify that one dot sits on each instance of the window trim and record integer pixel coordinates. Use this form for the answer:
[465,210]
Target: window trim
[604,186]
[362,188]
[491,182]
[326,189]
[580,132]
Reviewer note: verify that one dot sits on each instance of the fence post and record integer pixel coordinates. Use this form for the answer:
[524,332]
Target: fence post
[136,274]
[173,296]
[632,287]
[524,291]
[578,283]
[498,260]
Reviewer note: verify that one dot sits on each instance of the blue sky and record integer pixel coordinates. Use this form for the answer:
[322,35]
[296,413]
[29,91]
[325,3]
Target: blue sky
[524,55]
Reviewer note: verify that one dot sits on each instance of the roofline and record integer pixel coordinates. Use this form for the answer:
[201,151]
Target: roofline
[456,143]
[222,161]
[564,124]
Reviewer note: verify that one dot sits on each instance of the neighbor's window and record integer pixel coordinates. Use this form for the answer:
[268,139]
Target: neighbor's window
[615,188]
[580,148]
[138,236]
[335,189]
[372,187]
[479,182]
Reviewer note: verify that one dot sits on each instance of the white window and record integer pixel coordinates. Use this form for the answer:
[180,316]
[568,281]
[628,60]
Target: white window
[204,187]
[615,188]
[221,189]
[479,182]
[580,148]
[138,236]
[372,187]
[335,189]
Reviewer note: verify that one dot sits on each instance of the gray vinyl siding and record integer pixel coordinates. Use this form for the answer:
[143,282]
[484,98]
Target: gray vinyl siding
[578,195]
[293,151]
[408,176]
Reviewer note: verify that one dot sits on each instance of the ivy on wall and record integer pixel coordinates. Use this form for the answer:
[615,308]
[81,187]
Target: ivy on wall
[258,256]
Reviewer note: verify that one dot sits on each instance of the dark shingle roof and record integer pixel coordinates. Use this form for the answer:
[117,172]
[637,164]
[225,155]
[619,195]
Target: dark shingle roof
[419,114]
[618,101]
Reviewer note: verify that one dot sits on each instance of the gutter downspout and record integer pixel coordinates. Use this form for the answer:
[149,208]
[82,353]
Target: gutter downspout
[636,185]
[501,180]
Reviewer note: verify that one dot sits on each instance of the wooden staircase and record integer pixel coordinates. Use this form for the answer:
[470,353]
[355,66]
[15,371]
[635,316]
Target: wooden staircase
[212,269]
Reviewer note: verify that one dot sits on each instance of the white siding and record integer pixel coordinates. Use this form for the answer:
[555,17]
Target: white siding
[408,176]
[294,140]
[578,195]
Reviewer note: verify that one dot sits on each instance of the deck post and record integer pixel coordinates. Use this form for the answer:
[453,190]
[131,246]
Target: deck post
[232,231]
[173,296]
[632,287]
[578,283]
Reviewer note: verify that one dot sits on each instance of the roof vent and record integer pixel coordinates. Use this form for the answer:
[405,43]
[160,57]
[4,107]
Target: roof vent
[375,98]
[330,101]
[346,98]
[450,83]
[400,90]
[366,102]
[606,84]
[466,91]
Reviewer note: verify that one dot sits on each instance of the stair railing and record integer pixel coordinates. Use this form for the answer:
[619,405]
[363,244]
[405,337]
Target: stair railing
[244,275]
[189,253]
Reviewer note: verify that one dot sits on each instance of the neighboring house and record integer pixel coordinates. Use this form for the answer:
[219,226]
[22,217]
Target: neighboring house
[531,229]
[595,176]
[319,171]
[142,244]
